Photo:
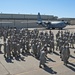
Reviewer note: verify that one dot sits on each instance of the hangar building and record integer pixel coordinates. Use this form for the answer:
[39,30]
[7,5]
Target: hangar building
[27,20]
[22,20]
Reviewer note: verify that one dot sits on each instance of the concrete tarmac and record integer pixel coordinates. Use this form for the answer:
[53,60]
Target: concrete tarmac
[30,66]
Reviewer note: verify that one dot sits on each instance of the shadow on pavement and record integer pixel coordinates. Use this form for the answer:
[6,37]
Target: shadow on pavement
[72,56]
[26,54]
[49,59]
[22,58]
[56,53]
[1,52]
[49,70]
[8,60]
[19,58]
[71,66]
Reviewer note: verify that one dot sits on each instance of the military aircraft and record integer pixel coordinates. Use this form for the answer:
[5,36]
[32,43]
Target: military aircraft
[52,24]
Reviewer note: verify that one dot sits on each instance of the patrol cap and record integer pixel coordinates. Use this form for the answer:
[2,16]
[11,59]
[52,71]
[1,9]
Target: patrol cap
[45,45]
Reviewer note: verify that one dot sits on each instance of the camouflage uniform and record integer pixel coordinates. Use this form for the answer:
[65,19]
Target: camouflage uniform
[42,58]
[71,41]
[65,54]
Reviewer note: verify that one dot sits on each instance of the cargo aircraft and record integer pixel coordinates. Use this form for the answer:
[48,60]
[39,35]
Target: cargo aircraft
[52,24]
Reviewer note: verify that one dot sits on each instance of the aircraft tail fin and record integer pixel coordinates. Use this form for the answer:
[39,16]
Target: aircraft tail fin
[40,21]
[39,18]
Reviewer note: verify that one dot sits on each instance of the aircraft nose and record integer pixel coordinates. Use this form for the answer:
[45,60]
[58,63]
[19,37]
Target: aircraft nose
[67,23]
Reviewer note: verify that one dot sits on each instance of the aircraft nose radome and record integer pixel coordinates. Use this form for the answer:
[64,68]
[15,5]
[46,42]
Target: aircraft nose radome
[67,23]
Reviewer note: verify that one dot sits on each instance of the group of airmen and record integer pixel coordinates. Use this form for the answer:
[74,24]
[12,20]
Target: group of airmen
[39,44]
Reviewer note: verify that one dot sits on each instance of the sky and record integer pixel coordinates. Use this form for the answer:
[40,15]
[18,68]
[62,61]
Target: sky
[60,8]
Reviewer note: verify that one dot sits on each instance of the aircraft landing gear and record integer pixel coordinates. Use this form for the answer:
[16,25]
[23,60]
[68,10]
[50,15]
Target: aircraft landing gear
[53,28]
